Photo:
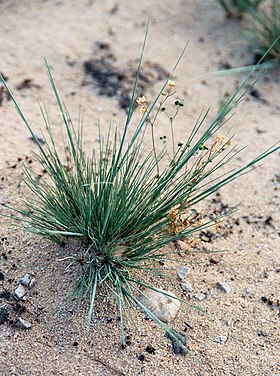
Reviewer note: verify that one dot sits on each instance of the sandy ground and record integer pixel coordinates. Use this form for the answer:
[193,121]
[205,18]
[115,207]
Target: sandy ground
[69,34]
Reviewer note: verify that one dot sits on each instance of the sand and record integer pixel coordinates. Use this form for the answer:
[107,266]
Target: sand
[70,34]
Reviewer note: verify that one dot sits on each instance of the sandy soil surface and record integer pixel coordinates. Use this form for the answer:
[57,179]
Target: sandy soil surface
[72,35]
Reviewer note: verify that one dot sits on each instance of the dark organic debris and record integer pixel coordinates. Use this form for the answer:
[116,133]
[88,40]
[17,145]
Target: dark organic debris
[178,345]
[127,341]
[3,92]
[114,9]
[4,313]
[276,179]
[271,303]
[141,357]
[268,221]
[5,294]
[259,221]
[207,236]
[150,349]
[27,83]
[118,82]
[225,65]
[255,93]
[260,131]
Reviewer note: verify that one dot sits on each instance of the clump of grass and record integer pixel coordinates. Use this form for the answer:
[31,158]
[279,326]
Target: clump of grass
[265,29]
[237,8]
[122,201]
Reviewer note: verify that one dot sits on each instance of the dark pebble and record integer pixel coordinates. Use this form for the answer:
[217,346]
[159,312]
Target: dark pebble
[150,349]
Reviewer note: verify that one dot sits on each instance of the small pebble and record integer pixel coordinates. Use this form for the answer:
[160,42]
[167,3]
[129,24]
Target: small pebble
[163,307]
[21,323]
[25,280]
[183,272]
[20,292]
[200,296]
[224,287]
[262,333]
[28,281]
[216,259]
[221,339]
[183,246]
[207,294]
[247,290]
[186,286]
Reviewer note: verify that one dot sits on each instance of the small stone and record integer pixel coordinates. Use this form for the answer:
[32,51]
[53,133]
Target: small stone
[183,246]
[163,307]
[186,286]
[183,272]
[20,292]
[32,283]
[4,313]
[28,281]
[21,323]
[221,339]
[25,280]
[207,294]
[224,287]
[215,259]
[262,333]
[200,296]
[248,291]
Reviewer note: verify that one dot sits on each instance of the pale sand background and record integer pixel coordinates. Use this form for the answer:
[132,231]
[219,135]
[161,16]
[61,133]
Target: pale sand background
[66,32]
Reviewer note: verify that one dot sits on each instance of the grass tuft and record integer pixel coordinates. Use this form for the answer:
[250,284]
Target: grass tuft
[237,8]
[265,29]
[124,202]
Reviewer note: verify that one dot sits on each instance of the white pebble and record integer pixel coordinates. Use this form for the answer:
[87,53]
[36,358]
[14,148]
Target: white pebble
[183,272]
[221,339]
[224,287]
[163,307]
[186,286]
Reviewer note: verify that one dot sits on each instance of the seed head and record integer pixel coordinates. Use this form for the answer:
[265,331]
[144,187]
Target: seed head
[171,83]
[141,100]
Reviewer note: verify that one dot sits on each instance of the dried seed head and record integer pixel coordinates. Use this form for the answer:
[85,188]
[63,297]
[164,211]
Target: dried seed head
[222,140]
[171,83]
[143,109]
[141,100]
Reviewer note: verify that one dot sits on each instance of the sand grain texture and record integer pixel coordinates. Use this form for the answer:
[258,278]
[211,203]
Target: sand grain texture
[67,33]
